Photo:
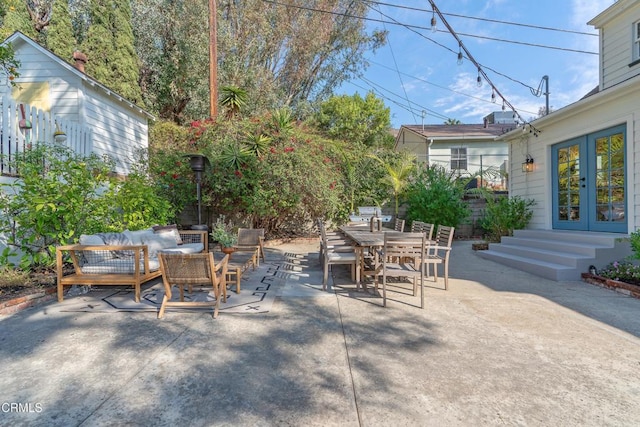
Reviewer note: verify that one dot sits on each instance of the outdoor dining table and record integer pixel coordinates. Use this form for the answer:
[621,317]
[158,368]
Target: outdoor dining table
[368,241]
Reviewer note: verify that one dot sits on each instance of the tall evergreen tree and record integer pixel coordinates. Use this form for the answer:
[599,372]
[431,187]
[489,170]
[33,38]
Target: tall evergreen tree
[16,18]
[59,33]
[109,48]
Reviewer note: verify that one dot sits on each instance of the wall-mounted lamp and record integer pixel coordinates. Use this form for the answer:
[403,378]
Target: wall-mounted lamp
[59,136]
[527,166]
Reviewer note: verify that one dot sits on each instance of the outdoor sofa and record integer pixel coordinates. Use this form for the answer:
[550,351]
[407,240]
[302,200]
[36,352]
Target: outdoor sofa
[126,258]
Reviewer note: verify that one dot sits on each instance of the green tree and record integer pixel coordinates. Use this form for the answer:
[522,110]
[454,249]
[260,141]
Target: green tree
[16,18]
[112,59]
[356,119]
[59,32]
[173,46]
[452,122]
[282,55]
[398,173]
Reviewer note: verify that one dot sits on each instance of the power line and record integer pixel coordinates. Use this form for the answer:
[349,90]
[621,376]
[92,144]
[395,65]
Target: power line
[409,26]
[395,63]
[477,98]
[374,86]
[497,21]
[481,72]
[452,51]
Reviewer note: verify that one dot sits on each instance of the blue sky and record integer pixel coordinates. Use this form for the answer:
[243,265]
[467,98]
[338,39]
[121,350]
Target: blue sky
[413,74]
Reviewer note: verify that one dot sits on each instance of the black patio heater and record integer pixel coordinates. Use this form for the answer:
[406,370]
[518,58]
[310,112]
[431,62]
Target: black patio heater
[198,163]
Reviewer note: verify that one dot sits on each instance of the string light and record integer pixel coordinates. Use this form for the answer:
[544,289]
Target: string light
[481,72]
[479,79]
[493,95]
[434,23]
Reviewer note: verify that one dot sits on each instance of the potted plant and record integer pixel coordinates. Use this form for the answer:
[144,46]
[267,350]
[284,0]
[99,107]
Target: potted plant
[224,234]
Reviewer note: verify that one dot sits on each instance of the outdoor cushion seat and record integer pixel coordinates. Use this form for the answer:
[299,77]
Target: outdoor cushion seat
[186,248]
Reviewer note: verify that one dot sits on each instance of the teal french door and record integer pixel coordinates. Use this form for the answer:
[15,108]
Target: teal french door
[588,182]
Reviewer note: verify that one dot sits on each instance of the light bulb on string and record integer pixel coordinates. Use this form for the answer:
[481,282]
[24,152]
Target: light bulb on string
[434,23]
[460,57]
[479,79]
[503,108]
[493,95]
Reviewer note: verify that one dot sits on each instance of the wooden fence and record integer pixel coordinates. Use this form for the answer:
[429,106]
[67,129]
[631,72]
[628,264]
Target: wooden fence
[16,135]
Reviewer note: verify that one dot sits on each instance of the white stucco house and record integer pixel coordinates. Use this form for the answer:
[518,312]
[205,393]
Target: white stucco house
[464,149]
[586,164]
[53,91]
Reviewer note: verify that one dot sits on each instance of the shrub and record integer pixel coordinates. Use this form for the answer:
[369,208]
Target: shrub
[436,197]
[503,215]
[56,198]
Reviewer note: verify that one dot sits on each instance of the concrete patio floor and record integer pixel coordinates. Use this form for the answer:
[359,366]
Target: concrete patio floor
[500,347]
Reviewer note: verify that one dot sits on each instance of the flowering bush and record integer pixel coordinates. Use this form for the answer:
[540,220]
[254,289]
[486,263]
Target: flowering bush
[622,271]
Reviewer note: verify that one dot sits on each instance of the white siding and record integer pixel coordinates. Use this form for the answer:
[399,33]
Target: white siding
[614,107]
[117,131]
[616,39]
[119,128]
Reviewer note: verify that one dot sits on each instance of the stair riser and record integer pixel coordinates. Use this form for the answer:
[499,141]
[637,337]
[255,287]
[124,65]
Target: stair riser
[525,252]
[556,246]
[597,239]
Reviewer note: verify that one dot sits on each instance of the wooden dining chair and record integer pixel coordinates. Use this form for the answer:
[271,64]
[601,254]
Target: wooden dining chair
[336,238]
[423,227]
[403,255]
[438,253]
[192,269]
[337,252]
[399,225]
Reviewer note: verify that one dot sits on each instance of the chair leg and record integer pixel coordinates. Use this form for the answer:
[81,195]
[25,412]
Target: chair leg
[163,306]
[384,291]
[445,266]
[325,277]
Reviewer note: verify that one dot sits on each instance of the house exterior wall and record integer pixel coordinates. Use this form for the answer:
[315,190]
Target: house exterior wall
[482,153]
[62,84]
[616,42]
[119,129]
[116,132]
[616,106]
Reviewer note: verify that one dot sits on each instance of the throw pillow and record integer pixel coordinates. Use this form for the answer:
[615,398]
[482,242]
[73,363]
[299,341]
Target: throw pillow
[170,229]
[117,239]
[136,236]
[157,242]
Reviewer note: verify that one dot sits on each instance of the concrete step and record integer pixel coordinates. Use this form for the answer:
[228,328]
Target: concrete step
[558,255]
[566,258]
[540,268]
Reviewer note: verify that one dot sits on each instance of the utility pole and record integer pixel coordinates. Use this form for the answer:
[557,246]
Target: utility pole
[213,61]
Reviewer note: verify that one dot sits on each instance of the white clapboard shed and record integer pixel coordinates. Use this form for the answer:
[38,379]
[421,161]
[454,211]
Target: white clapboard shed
[54,93]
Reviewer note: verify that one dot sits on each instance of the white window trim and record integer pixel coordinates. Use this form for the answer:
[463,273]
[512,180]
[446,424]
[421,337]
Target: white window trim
[458,156]
[635,55]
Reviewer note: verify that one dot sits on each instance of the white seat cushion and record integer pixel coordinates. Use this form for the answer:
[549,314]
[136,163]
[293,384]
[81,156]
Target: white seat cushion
[186,248]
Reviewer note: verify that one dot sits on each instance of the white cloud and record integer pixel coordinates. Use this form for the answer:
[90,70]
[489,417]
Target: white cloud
[585,10]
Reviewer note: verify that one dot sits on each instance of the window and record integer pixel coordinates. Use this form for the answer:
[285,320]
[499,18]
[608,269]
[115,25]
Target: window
[458,158]
[636,41]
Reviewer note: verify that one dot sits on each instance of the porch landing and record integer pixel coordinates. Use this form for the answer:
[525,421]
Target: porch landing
[558,254]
